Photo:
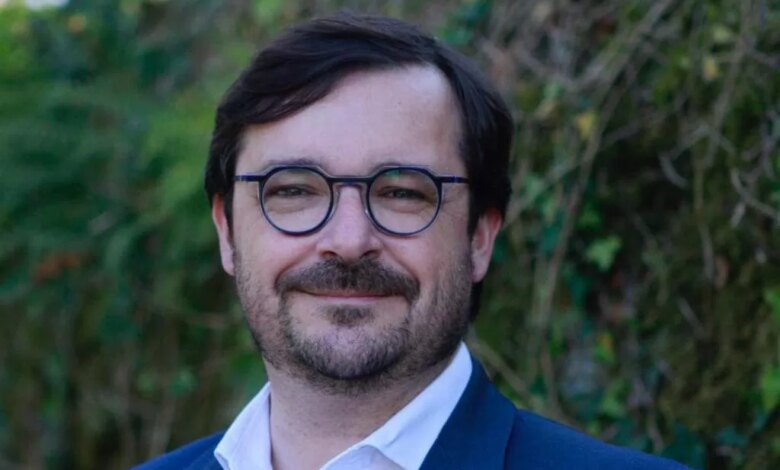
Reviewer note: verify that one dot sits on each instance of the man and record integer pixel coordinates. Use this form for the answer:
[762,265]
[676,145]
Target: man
[358,179]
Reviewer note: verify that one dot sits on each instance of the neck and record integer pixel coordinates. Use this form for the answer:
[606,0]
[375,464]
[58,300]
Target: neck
[309,426]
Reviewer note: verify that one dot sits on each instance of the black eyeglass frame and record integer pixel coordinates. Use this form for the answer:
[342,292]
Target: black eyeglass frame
[368,181]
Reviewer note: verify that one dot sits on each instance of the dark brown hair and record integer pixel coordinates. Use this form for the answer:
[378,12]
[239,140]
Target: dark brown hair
[305,63]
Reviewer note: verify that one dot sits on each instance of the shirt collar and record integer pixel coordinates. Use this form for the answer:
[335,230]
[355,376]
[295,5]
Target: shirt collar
[408,435]
[405,438]
[247,442]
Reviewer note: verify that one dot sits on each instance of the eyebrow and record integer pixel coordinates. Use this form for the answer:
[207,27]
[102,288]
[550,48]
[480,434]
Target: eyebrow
[282,161]
[309,161]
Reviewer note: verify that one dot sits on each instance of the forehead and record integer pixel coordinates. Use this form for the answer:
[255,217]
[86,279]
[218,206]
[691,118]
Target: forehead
[399,116]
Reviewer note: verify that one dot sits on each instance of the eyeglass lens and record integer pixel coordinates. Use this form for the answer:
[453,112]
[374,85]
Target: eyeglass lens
[402,201]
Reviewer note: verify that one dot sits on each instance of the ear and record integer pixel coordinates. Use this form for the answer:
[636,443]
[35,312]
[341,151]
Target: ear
[482,242]
[223,233]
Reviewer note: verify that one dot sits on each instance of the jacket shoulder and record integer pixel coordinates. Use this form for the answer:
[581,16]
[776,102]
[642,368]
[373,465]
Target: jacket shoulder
[539,443]
[183,456]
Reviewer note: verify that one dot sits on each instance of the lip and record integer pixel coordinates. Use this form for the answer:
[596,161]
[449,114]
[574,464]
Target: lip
[342,296]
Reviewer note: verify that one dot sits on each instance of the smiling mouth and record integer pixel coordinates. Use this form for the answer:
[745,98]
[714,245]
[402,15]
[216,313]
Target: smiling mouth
[347,295]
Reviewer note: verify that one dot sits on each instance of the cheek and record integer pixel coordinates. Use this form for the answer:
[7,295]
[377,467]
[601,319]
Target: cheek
[432,258]
[265,254]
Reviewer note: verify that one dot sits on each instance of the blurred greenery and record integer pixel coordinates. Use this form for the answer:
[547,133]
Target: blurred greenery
[635,292]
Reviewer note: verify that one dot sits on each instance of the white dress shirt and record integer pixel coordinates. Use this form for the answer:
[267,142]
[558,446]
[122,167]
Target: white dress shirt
[401,443]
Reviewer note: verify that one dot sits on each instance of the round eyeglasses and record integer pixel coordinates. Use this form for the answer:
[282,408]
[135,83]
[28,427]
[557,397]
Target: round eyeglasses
[399,200]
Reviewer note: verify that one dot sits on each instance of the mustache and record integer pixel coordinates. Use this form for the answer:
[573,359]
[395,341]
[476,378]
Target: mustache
[366,276]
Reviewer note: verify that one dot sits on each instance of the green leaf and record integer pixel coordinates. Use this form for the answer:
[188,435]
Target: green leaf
[772,297]
[721,34]
[602,252]
[732,438]
[533,187]
[585,123]
[589,218]
[267,12]
[769,388]
[183,383]
[613,401]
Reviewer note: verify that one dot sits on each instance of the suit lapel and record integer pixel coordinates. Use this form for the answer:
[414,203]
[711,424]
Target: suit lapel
[477,432]
[206,461]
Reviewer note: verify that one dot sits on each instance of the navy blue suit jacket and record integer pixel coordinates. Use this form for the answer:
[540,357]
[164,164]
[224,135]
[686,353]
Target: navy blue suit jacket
[484,432]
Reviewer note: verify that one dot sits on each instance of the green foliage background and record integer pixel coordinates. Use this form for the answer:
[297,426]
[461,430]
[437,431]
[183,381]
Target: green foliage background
[635,292]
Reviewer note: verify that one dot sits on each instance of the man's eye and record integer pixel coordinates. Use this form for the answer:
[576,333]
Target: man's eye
[403,194]
[289,192]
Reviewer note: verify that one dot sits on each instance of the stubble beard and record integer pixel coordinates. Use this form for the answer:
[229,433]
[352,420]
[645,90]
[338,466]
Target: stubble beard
[369,359]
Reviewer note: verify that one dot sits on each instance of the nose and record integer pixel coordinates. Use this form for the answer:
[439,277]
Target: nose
[349,234]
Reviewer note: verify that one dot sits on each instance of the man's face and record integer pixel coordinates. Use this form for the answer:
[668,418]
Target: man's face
[350,304]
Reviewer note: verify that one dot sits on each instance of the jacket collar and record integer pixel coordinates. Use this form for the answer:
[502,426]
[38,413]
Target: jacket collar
[206,460]
[475,435]
[477,432]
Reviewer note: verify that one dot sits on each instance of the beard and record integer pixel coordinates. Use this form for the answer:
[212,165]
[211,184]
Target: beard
[356,354]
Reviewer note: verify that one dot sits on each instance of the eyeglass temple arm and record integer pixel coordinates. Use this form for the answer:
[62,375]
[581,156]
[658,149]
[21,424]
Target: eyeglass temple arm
[451,179]
[250,178]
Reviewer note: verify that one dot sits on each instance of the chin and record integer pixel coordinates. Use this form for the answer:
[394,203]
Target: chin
[351,352]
